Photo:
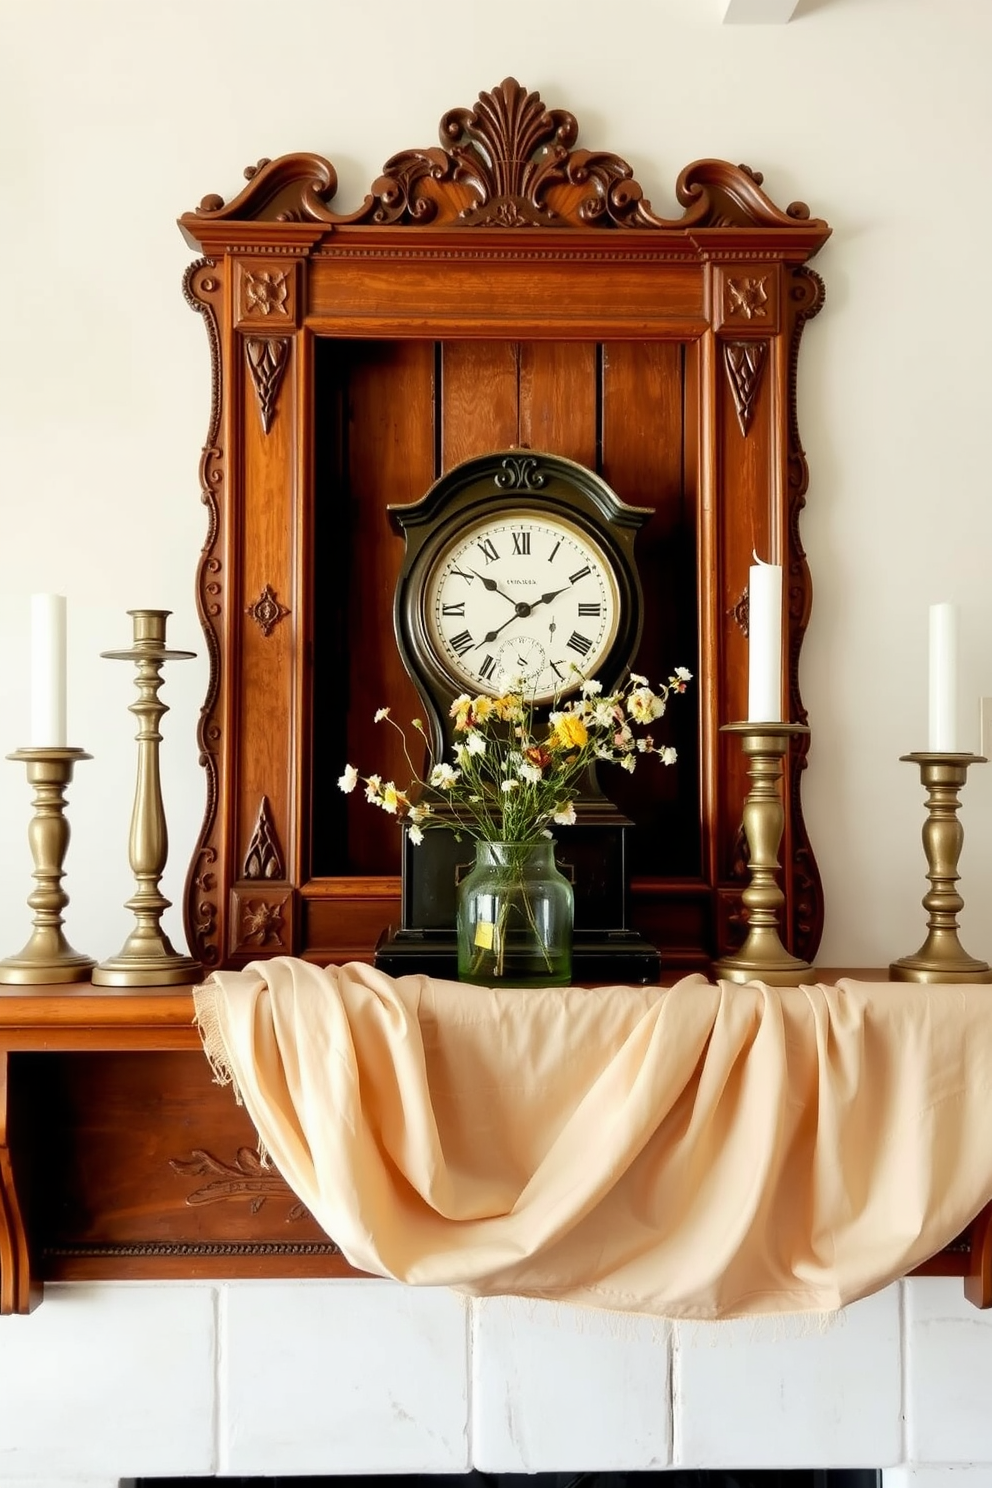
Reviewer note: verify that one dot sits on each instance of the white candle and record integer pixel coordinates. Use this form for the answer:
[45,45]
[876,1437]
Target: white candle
[943,679]
[48,730]
[764,628]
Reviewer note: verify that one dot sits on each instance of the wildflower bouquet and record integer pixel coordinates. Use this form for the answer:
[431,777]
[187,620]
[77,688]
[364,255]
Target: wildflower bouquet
[514,773]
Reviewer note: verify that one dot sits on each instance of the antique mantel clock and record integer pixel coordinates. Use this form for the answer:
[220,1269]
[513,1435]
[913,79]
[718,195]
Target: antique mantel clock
[507,290]
[519,574]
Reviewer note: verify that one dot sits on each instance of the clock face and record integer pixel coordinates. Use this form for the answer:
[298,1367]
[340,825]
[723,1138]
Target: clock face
[517,601]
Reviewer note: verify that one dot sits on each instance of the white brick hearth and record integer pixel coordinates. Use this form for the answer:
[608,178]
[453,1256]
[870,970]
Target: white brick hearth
[106,1382]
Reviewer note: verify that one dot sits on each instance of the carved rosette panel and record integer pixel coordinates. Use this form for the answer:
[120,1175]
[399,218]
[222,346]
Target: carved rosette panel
[203,288]
[266,293]
[267,358]
[261,921]
[746,298]
[744,362]
[263,858]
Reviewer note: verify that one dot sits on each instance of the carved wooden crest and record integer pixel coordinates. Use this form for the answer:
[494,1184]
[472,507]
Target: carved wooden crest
[508,162]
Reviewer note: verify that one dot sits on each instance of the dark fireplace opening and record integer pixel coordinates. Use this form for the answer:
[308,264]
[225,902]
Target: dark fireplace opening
[675,1477]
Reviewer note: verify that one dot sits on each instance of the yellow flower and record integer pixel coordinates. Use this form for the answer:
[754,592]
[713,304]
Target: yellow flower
[569,732]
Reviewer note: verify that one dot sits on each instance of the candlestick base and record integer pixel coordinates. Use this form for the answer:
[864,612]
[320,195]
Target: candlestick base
[48,956]
[941,958]
[763,957]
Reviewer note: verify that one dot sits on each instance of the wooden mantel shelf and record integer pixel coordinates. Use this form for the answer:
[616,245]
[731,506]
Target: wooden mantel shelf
[115,1167]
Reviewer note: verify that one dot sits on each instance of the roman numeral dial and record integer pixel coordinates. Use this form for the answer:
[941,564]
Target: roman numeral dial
[520,599]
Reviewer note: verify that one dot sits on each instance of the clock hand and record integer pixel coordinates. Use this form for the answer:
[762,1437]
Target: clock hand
[492,634]
[492,586]
[547,598]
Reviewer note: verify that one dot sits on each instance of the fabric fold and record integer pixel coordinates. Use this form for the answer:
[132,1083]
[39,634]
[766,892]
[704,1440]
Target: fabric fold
[699,1151]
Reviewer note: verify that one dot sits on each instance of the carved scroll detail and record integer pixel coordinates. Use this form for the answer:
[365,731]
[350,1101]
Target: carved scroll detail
[268,358]
[246,1178]
[266,611]
[519,473]
[263,858]
[506,162]
[203,291]
[745,362]
[805,300]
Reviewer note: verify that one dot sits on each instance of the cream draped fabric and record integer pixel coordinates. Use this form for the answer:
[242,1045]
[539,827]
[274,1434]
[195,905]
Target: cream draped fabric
[697,1152]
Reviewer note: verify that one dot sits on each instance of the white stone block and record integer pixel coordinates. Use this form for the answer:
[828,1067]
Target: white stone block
[949,1374]
[567,1389]
[782,1393]
[109,1380]
[343,1376]
[914,1476]
[87,1482]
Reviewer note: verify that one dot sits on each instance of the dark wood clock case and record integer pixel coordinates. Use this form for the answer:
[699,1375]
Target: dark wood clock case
[594,854]
[503,289]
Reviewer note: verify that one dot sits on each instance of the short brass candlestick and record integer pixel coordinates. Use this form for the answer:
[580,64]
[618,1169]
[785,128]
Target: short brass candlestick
[147,958]
[48,956]
[763,957]
[941,957]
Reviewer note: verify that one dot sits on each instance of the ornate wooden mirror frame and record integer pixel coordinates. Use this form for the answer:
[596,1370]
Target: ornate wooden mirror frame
[503,288]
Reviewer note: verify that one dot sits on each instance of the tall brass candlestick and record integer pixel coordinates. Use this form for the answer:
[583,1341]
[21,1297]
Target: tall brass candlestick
[763,957]
[147,958]
[941,957]
[48,956]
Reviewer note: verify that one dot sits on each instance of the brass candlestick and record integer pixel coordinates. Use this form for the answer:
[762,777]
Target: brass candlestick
[147,958]
[941,957]
[48,956]
[763,957]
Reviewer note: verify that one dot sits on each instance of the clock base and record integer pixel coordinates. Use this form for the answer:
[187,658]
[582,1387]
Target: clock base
[621,956]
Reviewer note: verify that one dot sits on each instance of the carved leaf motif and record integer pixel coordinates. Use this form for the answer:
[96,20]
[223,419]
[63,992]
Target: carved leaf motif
[263,858]
[268,357]
[745,362]
[246,1178]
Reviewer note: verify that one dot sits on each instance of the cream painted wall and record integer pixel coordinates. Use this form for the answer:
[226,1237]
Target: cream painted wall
[117,115]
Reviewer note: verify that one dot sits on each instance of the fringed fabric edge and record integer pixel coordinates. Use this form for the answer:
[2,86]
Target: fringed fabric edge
[206,1016]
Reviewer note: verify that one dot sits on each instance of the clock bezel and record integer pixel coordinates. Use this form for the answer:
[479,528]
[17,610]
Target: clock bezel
[538,485]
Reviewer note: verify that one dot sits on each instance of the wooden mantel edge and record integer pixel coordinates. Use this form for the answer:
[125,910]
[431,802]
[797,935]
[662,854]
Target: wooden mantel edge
[85,1018]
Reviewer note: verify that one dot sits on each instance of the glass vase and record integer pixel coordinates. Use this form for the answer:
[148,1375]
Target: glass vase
[514,917]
